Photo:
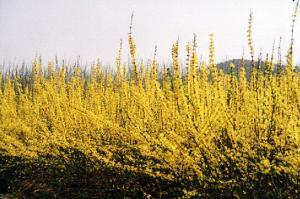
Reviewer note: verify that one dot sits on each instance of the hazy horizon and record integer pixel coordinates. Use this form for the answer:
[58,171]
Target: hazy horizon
[92,29]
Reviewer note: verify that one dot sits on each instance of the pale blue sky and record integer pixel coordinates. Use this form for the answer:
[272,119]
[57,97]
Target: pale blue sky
[93,28]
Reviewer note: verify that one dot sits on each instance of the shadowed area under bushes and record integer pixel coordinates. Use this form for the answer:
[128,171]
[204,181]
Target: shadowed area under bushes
[79,177]
[49,177]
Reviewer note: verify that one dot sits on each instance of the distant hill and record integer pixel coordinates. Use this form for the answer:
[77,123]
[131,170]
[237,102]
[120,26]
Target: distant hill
[225,66]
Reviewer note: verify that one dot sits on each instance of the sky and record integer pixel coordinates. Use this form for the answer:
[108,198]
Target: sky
[92,29]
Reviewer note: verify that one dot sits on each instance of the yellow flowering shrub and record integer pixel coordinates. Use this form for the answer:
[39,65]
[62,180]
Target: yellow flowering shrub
[204,132]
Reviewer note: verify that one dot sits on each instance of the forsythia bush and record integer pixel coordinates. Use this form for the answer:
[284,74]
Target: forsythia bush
[209,131]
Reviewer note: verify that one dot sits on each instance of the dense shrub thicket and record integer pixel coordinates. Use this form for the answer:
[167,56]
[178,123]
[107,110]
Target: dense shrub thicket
[149,132]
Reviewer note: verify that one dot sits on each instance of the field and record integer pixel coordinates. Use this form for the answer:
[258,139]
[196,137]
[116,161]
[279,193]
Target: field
[146,130]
